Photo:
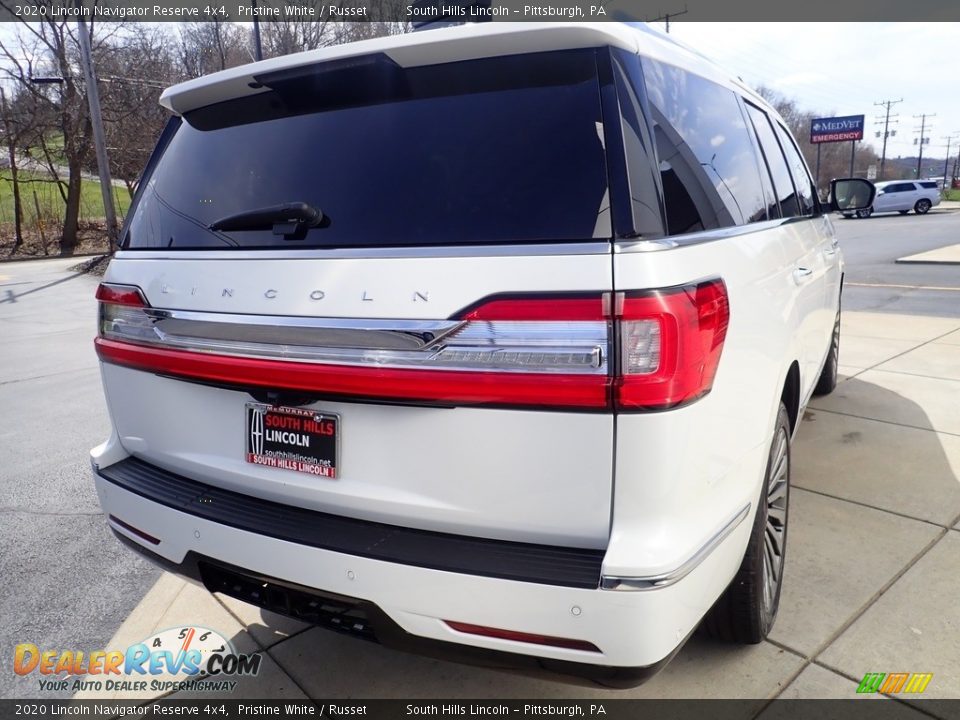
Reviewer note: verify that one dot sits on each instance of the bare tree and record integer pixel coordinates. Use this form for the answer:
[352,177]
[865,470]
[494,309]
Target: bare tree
[207,47]
[133,71]
[58,111]
[11,135]
[834,157]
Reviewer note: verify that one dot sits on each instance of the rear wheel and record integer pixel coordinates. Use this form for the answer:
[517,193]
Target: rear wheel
[865,213]
[828,376]
[746,611]
[922,207]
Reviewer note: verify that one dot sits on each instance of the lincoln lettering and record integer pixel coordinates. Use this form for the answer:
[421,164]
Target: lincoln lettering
[288,437]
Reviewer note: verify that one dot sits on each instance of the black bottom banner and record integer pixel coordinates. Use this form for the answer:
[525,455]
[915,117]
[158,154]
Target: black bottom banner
[880,708]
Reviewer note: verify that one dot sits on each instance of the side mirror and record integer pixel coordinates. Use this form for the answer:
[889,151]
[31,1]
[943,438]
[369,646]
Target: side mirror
[848,194]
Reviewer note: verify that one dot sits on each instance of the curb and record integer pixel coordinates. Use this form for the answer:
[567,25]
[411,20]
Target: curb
[51,257]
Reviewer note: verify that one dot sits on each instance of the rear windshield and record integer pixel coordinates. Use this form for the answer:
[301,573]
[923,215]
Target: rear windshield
[496,150]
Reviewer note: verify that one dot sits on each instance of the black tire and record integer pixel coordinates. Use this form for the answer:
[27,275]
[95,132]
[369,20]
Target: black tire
[828,376]
[922,207]
[865,213]
[746,611]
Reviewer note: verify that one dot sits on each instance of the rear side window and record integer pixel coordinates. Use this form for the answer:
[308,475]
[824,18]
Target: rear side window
[707,161]
[498,150]
[782,181]
[929,185]
[900,187]
[798,170]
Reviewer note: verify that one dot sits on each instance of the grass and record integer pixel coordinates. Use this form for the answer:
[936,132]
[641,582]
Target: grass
[54,146]
[953,194]
[50,202]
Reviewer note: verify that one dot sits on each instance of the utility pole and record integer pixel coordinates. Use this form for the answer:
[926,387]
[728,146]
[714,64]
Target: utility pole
[956,166]
[886,129]
[257,47]
[666,17]
[99,137]
[11,148]
[923,128]
[946,160]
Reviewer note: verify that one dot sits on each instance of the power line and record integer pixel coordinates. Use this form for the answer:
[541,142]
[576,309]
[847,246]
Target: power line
[886,129]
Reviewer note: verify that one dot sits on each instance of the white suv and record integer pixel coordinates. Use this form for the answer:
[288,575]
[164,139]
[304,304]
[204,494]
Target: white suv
[902,196]
[487,342]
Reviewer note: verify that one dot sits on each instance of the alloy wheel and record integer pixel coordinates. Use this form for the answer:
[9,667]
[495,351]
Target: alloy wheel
[775,532]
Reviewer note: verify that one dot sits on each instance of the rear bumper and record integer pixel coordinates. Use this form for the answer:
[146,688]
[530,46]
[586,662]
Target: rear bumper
[365,620]
[405,605]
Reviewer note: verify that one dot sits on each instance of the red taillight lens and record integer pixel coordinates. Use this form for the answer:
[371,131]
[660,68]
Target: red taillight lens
[129,295]
[669,345]
[549,309]
[548,351]
[531,638]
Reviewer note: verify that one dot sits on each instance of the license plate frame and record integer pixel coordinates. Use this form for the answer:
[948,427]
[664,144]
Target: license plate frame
[289,438]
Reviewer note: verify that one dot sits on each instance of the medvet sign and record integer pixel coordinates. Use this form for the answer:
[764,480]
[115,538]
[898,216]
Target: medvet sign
[836,129]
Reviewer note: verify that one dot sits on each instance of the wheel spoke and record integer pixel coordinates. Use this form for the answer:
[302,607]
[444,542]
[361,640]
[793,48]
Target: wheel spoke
[777,492]
[774,541]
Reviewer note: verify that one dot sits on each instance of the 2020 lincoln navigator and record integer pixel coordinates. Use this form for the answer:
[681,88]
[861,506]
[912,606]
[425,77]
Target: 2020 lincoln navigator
[486,342]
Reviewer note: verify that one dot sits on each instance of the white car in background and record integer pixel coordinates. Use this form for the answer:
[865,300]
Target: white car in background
[902,196]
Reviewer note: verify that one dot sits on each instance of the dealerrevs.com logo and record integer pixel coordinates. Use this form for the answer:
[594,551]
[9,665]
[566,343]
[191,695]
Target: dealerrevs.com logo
[184,658]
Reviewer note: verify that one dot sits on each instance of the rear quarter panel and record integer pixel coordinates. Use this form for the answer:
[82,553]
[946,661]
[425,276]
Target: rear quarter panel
[681,473]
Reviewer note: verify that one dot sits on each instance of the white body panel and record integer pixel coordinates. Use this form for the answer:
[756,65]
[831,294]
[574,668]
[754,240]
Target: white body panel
[487,472]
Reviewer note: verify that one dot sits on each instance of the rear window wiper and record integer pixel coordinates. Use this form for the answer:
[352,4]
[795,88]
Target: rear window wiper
[291,220]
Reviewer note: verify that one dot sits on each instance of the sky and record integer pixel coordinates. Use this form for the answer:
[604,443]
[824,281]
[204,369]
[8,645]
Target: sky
[844,68]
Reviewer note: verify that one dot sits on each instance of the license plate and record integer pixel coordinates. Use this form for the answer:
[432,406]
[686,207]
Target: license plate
[306,441]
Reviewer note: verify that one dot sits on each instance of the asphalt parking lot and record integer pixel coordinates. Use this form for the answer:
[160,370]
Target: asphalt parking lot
[874,548]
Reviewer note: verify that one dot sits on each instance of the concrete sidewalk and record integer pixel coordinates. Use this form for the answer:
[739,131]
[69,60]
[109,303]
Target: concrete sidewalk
[872,575]
[949,255]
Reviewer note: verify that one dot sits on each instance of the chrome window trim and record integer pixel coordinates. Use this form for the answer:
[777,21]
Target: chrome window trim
[703,236]
[655,582]
[436,251]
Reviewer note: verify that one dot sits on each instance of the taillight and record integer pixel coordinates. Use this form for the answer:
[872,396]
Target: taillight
[519,352]
[121,295]
[121,312]
[649,350]
[669,344]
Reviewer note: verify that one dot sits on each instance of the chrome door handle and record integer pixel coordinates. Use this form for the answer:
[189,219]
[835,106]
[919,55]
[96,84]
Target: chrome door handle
[830,252]
[802,274]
